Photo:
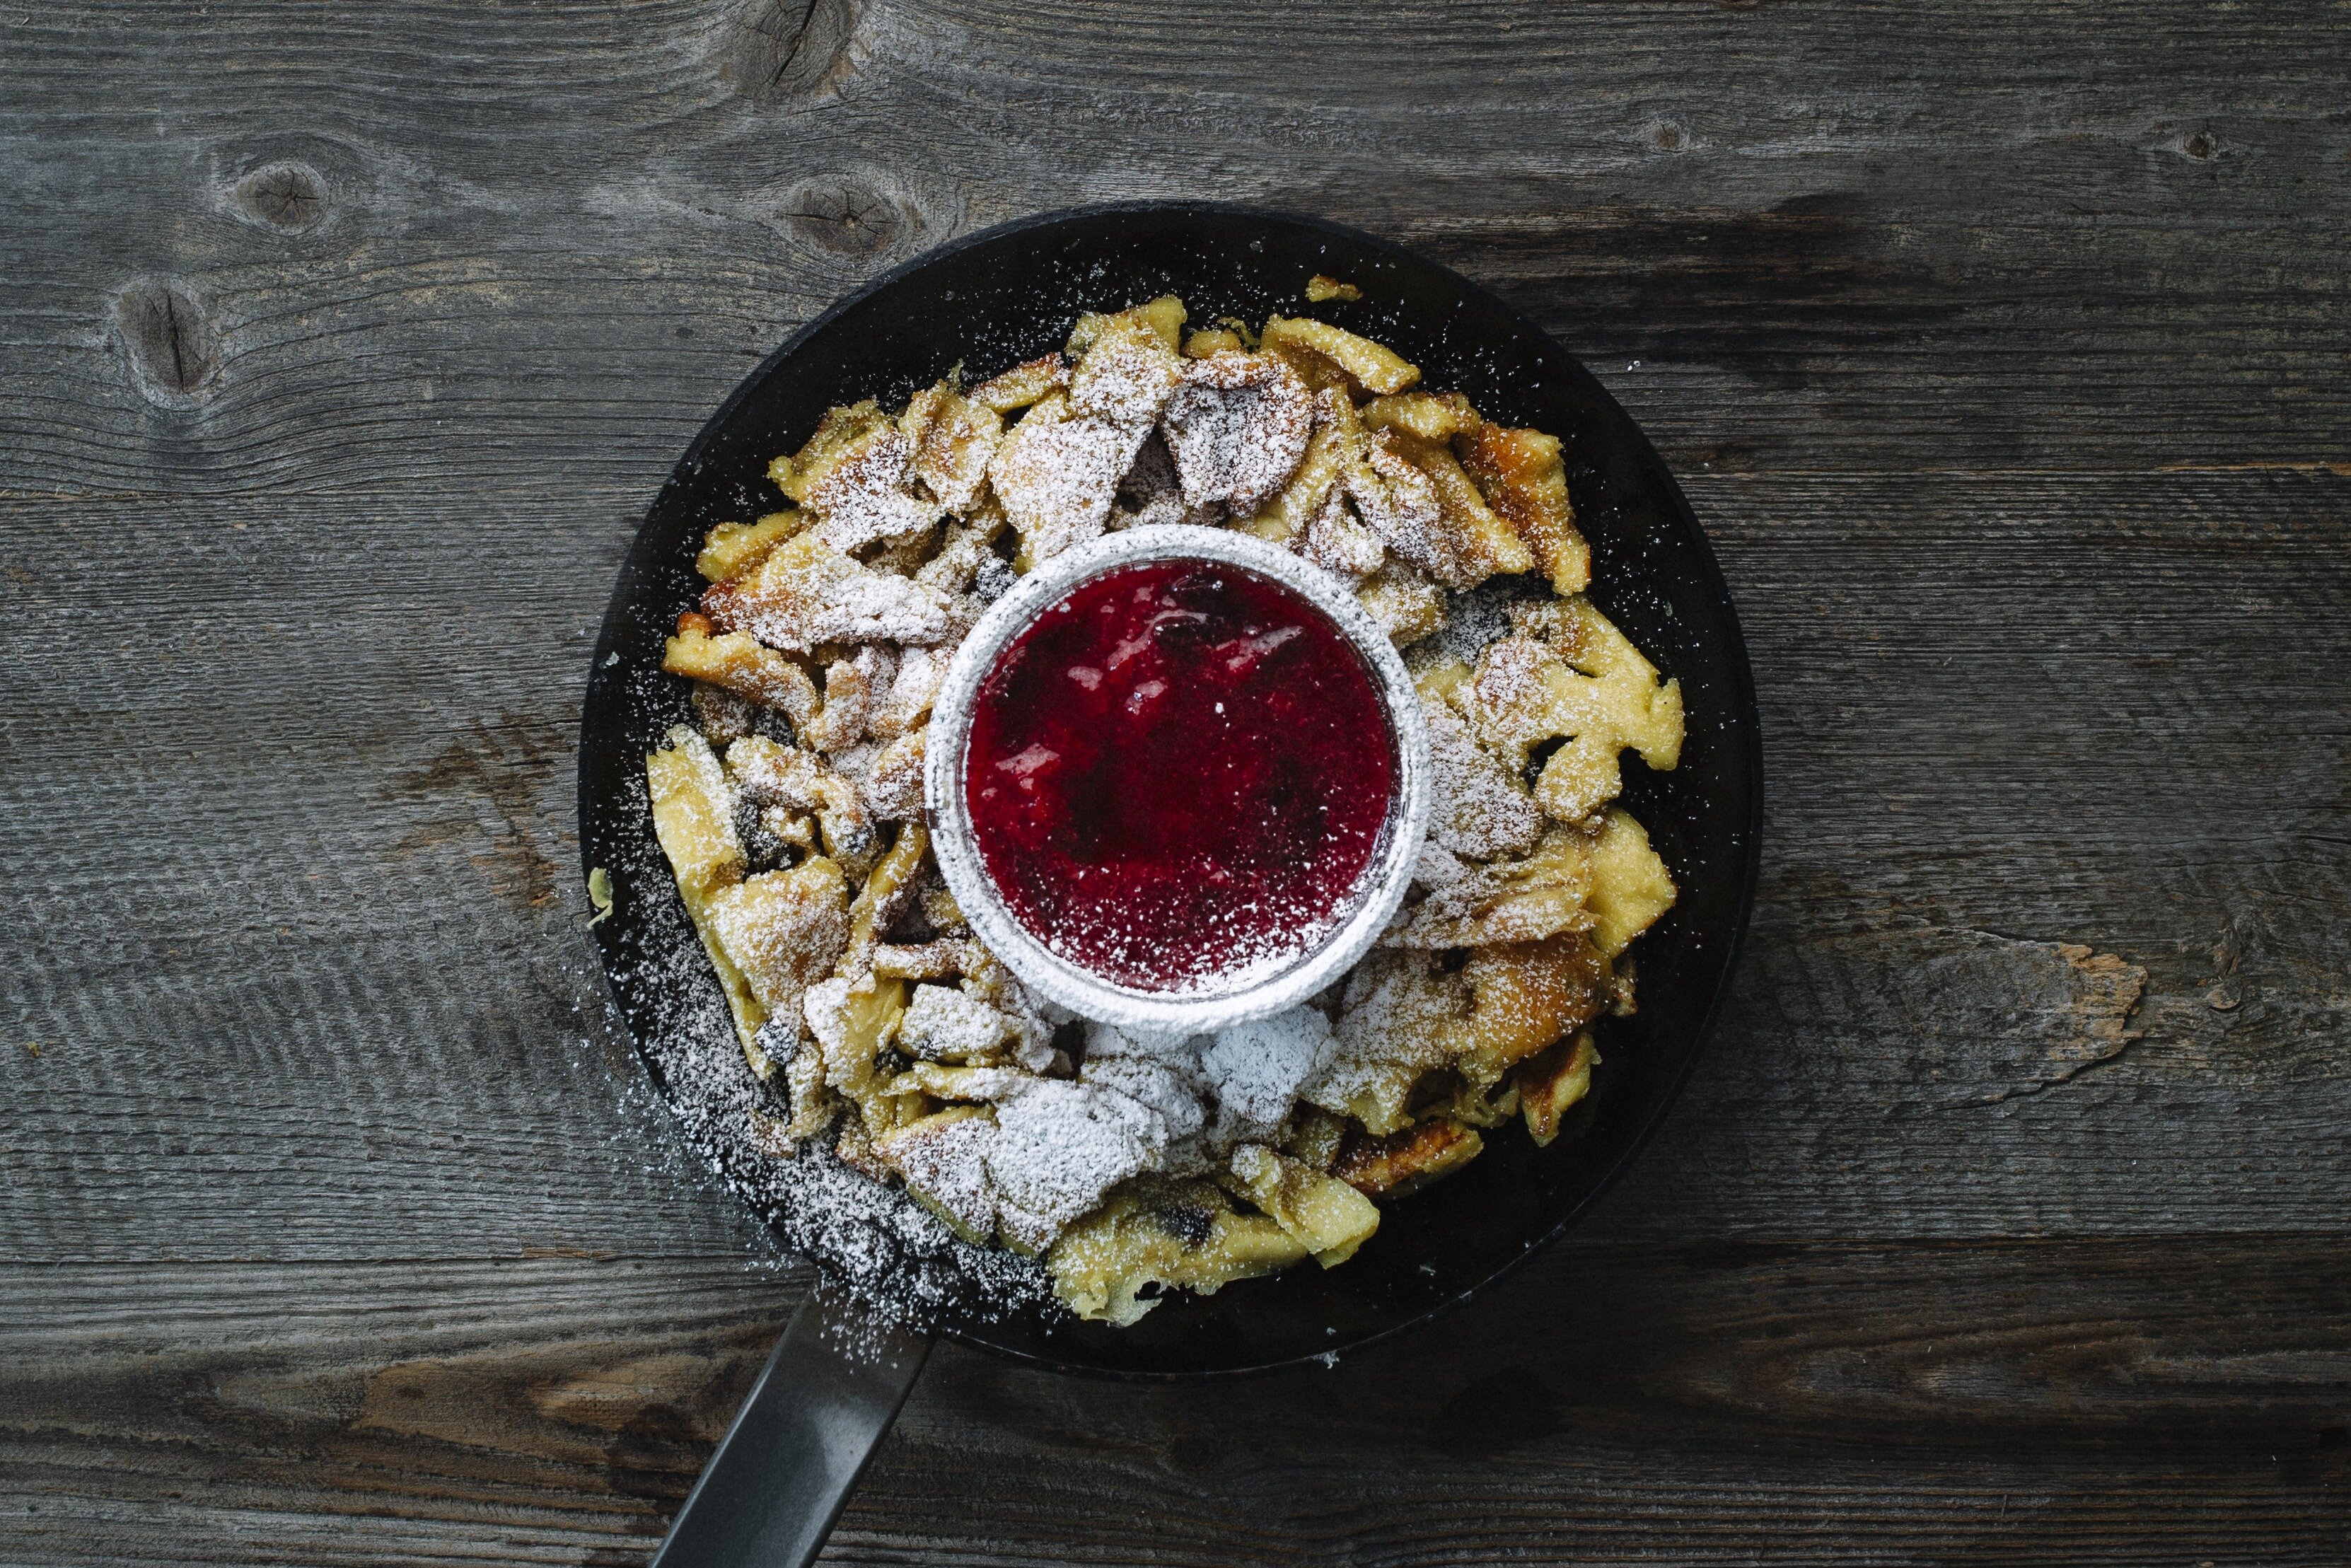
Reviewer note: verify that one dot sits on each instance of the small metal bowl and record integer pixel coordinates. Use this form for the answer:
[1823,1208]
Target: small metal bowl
[1256,993]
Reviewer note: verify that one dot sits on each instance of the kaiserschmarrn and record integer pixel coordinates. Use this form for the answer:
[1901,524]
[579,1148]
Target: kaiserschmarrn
[888,1038]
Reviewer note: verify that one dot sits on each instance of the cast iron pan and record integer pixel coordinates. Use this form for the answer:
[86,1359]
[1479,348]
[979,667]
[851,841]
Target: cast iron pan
[1009,294]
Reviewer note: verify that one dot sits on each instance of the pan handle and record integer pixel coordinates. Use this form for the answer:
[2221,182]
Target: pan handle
[770,1495]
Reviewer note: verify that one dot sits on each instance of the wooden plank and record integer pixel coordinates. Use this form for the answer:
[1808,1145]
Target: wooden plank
[2078,1401]
[560,252]
[2006,717]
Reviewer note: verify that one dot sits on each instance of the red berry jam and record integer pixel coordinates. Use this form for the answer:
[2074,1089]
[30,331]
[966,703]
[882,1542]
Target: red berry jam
[1179,773]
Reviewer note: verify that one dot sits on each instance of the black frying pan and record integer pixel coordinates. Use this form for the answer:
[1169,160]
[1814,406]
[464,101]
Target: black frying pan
[1009,294]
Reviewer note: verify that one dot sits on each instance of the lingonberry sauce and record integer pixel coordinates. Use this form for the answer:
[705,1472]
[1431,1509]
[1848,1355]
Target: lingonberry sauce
[1178,773]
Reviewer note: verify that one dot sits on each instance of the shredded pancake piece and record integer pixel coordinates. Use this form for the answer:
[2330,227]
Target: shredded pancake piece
[865,495]
[1237,428]
[1058,473]
[807,592]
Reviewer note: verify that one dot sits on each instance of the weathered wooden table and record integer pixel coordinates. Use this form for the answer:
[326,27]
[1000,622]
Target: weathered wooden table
[2003,347]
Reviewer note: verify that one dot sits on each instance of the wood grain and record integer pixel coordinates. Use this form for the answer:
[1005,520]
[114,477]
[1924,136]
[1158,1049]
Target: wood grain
[1979,1402]
[2000,349]
[1784,252]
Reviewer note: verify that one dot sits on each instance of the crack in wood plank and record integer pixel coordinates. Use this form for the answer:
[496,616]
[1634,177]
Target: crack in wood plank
[2099,1008]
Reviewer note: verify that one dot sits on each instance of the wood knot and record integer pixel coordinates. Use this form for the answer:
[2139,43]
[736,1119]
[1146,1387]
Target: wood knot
[2200,145]
[1666,137]
[288,197]
[169,340]
[845,218]
[779,50]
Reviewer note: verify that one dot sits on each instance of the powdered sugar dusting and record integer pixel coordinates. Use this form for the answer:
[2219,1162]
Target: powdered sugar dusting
[1400,503]
[1056,476]
[1237,428]
[1126,377]
[936,1068]
[807,592]
[1059,1149]
[1255,1070]
[865,497]
[1477,808]
[946,1025]
[895,1257]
